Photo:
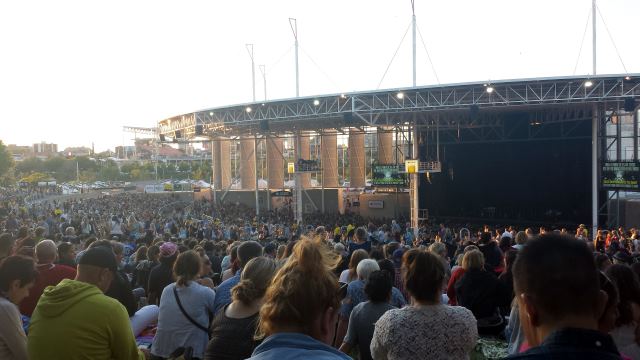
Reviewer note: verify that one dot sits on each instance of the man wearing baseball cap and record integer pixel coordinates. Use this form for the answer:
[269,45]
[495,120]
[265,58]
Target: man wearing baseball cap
[75,320]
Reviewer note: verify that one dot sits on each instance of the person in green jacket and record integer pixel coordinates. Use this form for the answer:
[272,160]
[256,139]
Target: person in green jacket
[75,320]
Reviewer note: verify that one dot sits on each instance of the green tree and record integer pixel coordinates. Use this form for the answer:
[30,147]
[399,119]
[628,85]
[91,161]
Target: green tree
[109,173]
[28,166]
[6,164]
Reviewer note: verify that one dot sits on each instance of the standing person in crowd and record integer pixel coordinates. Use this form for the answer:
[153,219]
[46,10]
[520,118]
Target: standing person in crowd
[481,292]
[364,316]
[233,329]
[351,274]
[17,275]
[246,251]
[560,302]
[625,330]
[162,275]
[49,274]
[6,245]
[66,255]
[185,305]
[426,329]
[301,307]
[75,320]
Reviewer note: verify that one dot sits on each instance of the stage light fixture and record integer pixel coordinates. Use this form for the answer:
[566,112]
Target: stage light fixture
[316,102]
[211,113]
[400,95]
[343,96]
[588,83]
[248,109]
[490,89]
[627,77]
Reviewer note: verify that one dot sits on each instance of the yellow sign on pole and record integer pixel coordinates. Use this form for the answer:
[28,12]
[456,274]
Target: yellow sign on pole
[291,168]
[411,166]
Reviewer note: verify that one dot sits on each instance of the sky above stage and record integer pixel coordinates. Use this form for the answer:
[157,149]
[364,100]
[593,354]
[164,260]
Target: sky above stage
[75,72]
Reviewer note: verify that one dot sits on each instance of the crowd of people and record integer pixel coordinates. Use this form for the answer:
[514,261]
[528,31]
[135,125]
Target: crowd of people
[87,278]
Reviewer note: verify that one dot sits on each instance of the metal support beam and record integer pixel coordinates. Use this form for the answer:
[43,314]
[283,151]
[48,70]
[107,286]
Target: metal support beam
[594,171]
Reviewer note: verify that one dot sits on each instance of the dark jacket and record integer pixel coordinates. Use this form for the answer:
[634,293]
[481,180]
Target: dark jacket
[481,292]
[573,344]
[492,256]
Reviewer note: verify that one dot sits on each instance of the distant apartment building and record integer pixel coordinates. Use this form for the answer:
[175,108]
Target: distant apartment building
[20,152]
[77,151]
[45,150]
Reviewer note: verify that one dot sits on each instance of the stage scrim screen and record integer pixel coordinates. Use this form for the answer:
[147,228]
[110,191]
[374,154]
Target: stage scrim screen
[387,175]
[621,175]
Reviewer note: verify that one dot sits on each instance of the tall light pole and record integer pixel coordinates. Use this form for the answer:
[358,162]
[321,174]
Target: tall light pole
[294,28]
[263,70]
[593,29]
[253,70]
[594,135]
[413,25]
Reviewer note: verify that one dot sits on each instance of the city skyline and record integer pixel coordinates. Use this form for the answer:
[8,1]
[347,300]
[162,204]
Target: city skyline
[77,72]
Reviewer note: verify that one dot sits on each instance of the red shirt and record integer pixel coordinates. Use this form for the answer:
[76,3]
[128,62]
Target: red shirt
[451,290]
[48,275]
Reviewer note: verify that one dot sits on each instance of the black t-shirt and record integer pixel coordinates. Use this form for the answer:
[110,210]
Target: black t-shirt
[159,278]
[121,291]
[231,338]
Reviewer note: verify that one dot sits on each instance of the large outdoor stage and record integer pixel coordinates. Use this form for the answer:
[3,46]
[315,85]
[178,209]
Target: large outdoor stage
[529,149]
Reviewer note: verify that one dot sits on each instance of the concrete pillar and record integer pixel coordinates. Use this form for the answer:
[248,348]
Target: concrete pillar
[215,164]
[275,162]
[329,158]
[356,158]
[224,149]
[385,146]
[305,153]
[248,164]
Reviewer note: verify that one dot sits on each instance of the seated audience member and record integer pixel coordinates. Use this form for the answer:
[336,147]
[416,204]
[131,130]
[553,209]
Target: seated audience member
[184,310]
[350,274]
[7,242]
[49,274]
[458,273]
[440,249]
[120,288]
[301,307]
[625,331]
[162,275]
[75,320]
[397,298]
[364,315]
[507,275]
[426,329]
[233,329]
[521,240]
[607,321]
[246,251]
[481,292]
[143,268]
[360,241]
[233,262]
[17,275]
[66,255]
[602,261]
[491,252]
[560,302]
